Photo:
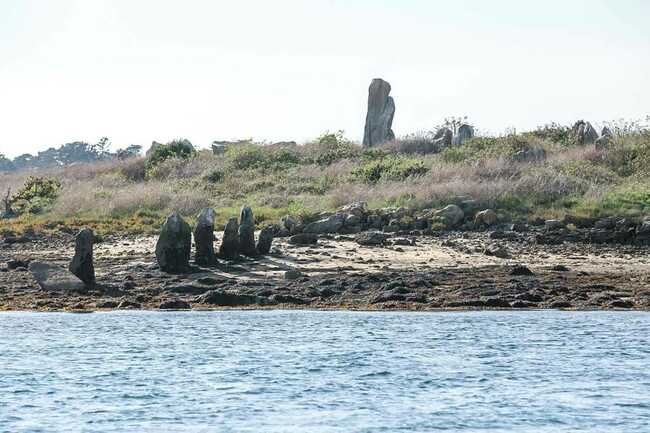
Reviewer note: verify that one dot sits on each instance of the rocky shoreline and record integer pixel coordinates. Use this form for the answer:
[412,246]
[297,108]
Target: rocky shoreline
[572,264]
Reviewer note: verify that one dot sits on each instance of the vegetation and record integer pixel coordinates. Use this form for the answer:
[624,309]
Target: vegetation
[135,194]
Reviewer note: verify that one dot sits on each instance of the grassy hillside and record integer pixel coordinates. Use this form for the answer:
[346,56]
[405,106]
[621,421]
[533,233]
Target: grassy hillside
[302,180]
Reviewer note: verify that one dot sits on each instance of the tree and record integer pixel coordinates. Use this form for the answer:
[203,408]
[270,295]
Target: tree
[131,151]
[6,164]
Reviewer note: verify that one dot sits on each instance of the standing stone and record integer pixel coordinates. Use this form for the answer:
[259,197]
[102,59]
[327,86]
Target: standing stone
[591,135]
[265,240]
[465,132]
[584,133]
[247,232]
[82,262]
[229,248]
[204,238]
[604,139]
[174,245]
[381,110]
[443,138]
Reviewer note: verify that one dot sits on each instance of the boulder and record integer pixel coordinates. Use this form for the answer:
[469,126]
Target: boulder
[55,278]
[553,225]
[204,238]
[247,232]
[82,263]
[174,245]
[605,137]
[451,215]
[371,238]
[465,132]
[358,209]
[485,218]
[496,250]
[443,138]
[590,134]
[229,248]
[584,133]
[265,239]
[381,110]
[331,224]
[303,239]
[154,145]
[534,154]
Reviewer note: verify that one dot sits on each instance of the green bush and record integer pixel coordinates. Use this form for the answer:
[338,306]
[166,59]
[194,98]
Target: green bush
[36,195]
[484,148]
[589,171]
[181,149]
[390,167]
[332,147]
[255,156]
[553,132]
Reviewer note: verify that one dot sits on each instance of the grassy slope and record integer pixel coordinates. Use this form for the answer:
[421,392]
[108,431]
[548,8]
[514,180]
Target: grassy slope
[129,196]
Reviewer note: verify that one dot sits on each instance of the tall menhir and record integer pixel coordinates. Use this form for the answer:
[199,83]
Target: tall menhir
[381,109]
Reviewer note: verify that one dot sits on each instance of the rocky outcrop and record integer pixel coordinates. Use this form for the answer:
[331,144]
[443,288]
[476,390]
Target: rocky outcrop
[247,232]
[174,245]
[55,278]
[330,224]
[229,248]
[371,238]
[465,132]
[605,137]
[451,215]
[529,155]
[82,263]
[265,239]
[204,238]
[381,110]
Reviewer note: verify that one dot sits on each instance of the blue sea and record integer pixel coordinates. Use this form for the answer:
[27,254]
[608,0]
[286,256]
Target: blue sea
[285,371]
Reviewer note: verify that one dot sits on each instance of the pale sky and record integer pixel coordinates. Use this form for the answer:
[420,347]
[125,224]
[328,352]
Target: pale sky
[143,70]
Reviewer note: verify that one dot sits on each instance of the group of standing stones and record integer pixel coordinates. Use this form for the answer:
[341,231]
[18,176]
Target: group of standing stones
[584,133]
[379,120]
[173,249]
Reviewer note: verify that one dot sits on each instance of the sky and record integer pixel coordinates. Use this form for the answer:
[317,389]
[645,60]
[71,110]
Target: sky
[142,70]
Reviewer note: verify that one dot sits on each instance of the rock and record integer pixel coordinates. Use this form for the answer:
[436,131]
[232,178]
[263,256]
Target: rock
[129,305]
[584,133]
[154,145]
[452,215]
[226,299]
[496,250]
[54,278]
[265,240]
[82,263]
[174,304]
[553,225]
[247,232]
[204,238]
[620,303]
[560,304]
[521,270]
[465,132]
[371,238]
[293,274]
[288,223]
[17,264]
[331,224]
[528,155]
[303,239]
[560,268]
[605,136]
[519,227]
[174,245]
[485,218]
[229,248]
[442,139]
[287,299]
[358,209]
[381,110]
[605,224]
[218,148]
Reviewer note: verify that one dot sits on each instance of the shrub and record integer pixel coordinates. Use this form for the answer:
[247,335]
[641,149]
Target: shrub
[391,167]
[255,156]
[37,194]
[553,132]
[331,147]
[589,171]
[485,148]
[181,149]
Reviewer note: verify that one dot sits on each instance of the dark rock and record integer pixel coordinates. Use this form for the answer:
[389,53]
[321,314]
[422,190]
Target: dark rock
[54,278]
[528,155]
[129,305]
[331,224]
[287,299]
[82,263]
[293,274]
[560,268]
[521,270]
[443,139]
[497,303]
[371,238]
[15,264]
[381,109]
[620,303]
[265,240]
[174,245]
[227,299]
[247,232]
[106,304]
[304,239]
[529,297]
[174,304]
[204,238]
[559,304]
[497,251]
[229,248]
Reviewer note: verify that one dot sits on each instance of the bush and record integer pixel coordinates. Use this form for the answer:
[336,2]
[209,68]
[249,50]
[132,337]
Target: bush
[589,171]
[181,149]
[331,147]
[553,132]
[390,167]
[37,194]
[256,156]
[485,148]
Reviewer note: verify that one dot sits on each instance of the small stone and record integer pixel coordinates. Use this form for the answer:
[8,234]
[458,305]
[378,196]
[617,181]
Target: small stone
[303,239]
[371,238]
[521,270]
[174,304]
[229,248]
[293,274]
[265,239]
